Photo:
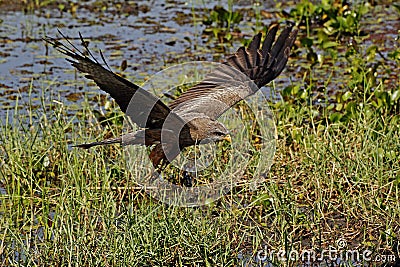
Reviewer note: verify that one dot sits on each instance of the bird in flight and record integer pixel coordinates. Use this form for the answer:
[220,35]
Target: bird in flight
[191,118]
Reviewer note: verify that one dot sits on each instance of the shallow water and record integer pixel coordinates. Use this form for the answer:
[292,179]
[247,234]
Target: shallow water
[149,35]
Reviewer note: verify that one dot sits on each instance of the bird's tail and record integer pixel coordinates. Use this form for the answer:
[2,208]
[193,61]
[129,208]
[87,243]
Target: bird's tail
[109,141]
[135,138]
[146,137]
[265,64]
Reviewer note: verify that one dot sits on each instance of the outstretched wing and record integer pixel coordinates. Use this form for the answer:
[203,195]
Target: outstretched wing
[146,111]
[243,74]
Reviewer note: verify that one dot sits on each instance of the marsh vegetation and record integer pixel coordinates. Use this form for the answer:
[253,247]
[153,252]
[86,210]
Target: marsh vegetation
[335,174]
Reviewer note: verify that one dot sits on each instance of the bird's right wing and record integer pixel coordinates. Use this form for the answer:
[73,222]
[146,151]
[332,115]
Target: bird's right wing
[146,111]
[242,75]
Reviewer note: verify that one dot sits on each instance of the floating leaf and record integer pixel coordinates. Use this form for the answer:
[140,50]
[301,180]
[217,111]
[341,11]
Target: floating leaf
[335,117]
[329,44]
[346,96]
[307,42]
[124,65]
[395,96]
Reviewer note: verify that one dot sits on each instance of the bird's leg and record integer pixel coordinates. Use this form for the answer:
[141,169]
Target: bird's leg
[187,179]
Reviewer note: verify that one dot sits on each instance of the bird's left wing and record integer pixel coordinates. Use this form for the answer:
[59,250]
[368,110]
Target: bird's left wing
[148,110]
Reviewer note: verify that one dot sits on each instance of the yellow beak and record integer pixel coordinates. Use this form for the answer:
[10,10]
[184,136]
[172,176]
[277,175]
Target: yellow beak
[227,138]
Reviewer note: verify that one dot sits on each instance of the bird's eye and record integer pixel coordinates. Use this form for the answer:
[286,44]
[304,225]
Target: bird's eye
[219,133]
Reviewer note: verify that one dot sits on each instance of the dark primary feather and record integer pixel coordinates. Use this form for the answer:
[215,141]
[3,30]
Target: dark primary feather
[151,112]
[228,85]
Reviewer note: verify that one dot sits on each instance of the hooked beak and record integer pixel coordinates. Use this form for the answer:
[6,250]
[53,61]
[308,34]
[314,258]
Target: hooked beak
[227,138]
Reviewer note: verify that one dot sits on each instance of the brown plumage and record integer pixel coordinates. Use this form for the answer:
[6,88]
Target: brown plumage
[191,118]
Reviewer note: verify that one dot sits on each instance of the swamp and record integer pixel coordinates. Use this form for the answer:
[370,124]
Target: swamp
[333,186]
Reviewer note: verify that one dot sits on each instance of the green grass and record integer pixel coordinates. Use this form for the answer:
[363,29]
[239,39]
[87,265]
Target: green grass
[335,176]
[72,206]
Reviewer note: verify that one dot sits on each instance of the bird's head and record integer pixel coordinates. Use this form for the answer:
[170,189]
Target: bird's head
[206,130]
